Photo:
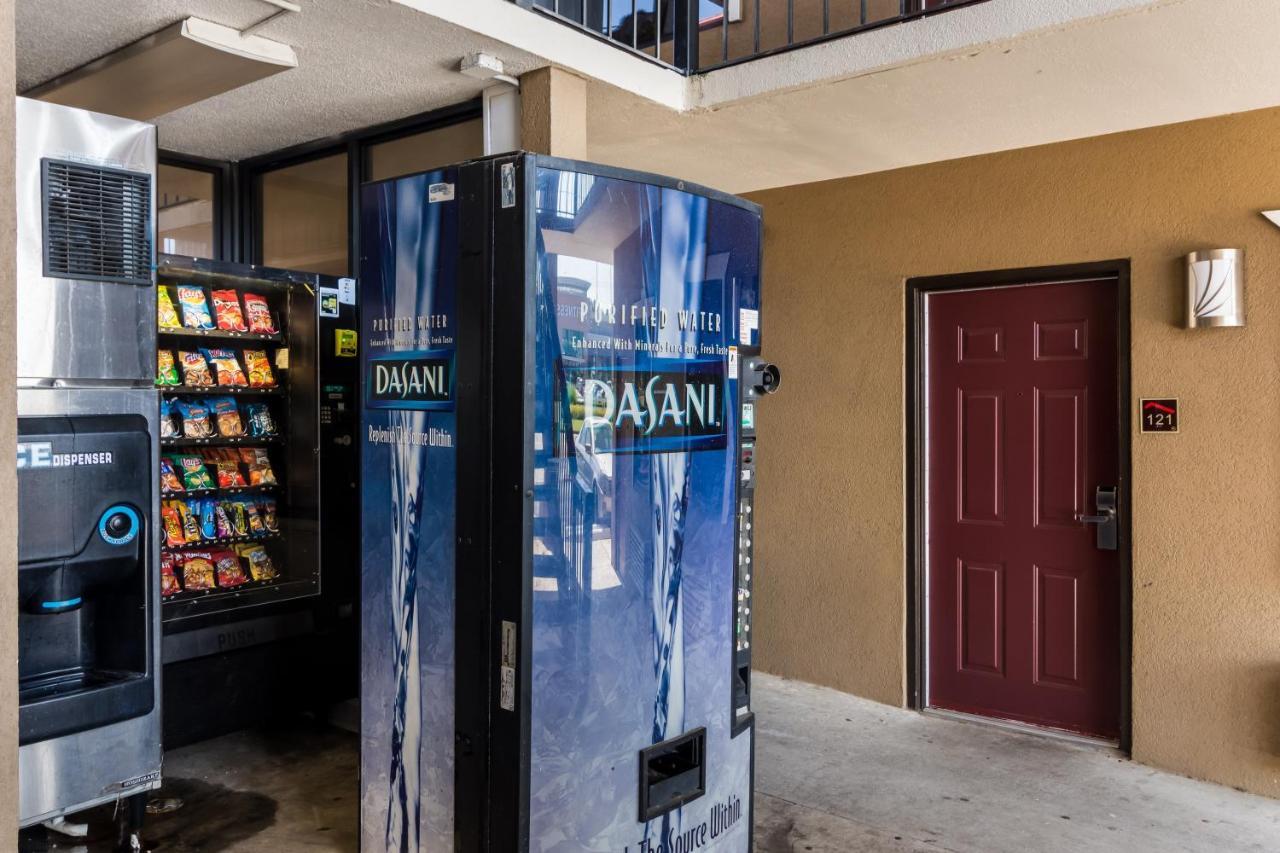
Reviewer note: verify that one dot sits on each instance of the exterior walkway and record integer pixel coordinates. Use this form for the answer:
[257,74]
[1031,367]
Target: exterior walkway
[838,774]
[835,775]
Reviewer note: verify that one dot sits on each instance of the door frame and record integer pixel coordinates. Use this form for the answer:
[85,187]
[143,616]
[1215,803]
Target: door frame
[916,290]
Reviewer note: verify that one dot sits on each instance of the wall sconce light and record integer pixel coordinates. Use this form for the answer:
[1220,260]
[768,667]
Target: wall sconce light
[1215,288]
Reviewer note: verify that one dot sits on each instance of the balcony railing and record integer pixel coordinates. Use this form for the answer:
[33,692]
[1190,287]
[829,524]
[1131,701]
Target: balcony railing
[694,36]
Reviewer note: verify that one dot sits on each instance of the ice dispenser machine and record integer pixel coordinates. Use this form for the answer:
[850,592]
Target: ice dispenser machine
[88,610]
[84,499]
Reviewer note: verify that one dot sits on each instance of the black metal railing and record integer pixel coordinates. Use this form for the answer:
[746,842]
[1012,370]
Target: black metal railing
[694,36]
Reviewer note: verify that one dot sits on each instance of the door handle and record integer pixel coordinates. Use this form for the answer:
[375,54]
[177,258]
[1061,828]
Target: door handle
[1105,500]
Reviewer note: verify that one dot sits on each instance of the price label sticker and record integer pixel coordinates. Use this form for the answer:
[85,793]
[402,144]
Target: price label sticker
[346,343]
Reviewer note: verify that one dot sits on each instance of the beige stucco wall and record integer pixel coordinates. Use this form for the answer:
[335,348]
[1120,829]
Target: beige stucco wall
[553,113]
[1206,541]
[8,429]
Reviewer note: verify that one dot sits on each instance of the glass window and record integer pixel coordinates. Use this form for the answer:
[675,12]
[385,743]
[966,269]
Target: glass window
[184,212]
[304,216]
[428,150]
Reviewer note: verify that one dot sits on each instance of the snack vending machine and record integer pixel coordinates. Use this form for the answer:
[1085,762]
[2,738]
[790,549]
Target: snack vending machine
[560,374]
[89,605]
[257,373]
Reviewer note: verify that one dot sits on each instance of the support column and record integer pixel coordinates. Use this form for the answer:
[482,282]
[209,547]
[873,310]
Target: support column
[8,450]
[553,113]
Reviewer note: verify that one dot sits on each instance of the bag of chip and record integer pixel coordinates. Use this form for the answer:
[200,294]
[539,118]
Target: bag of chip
[174,537]
[267,507]
[168,423]
[256,527]
[226,366]
[194,474]
[166,370]
[208,521]
[259,561]
[222,520]
[229,571]
[226,309]
[190,521]
[195,418]
[259,369]
[197,570]
[168,580]
[261,424]
[195,370]
[227,416]
[195,308]
[166,314]
[169,479]
[259,466]
[229,475]
[239,519]
[258,314]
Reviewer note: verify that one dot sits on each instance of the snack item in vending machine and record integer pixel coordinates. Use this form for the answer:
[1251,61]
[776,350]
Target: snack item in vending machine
[197,570]
[194,475]
[259,368]
[166,369]
[190,521]
[239,519]
[258,314]
[259,561]
[166,314]
[229,475]
[195,370]
[267,507]
[226,309]
[168,423]
[229,572]
[195,418]
[174,537]
[195,308]
[222,520]
[227,416]
[169,479]
[227,367]
[259,465]
[261,424]
[208,520]
[256,527]
[168,580]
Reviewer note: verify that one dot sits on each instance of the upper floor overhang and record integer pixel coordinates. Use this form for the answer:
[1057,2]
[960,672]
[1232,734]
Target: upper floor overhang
[983,77]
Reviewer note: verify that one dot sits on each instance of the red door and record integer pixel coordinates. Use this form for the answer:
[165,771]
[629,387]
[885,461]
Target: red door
[1022,427]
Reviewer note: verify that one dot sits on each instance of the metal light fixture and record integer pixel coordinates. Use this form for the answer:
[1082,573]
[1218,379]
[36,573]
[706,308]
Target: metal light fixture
[182,64]
[1215,288]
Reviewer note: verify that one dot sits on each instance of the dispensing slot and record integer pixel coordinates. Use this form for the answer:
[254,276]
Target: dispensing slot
[672,773]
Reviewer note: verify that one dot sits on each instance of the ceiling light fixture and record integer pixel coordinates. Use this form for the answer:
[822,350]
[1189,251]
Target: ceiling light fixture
[180,65]
[482,66]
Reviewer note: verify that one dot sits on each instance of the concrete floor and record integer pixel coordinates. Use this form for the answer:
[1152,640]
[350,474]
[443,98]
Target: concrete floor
[835,774]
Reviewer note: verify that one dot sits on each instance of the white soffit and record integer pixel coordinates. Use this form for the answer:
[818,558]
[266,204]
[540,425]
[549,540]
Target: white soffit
[360,63]
[1154,64]
[564,45]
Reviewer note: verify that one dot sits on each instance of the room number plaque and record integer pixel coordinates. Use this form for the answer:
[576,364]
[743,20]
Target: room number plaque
[1160,415]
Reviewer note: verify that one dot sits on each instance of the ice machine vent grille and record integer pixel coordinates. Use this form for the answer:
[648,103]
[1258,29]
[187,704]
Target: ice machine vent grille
[97,223]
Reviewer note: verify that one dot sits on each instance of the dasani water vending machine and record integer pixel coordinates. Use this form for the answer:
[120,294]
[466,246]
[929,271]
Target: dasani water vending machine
[560,372]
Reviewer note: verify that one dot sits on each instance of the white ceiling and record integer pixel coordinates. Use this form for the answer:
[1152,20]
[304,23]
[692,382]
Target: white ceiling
[360,62]
[987,77]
